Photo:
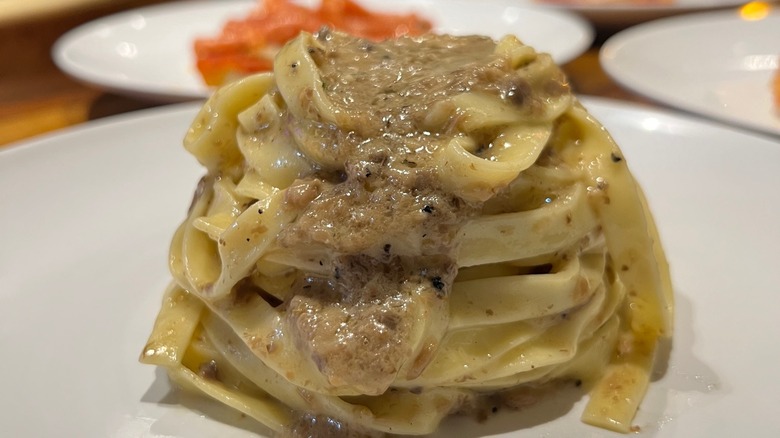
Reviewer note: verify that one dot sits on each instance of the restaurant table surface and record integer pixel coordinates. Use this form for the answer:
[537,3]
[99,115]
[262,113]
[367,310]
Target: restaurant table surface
[37,98]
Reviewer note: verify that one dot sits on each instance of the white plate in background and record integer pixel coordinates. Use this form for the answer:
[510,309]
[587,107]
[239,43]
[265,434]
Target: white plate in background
[148,52]
[88,214]
[716,64]
[622,13]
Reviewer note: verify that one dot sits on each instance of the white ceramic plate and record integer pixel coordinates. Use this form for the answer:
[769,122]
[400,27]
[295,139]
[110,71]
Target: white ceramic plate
[616,13]
[87,216]
[148,52]
[716,64]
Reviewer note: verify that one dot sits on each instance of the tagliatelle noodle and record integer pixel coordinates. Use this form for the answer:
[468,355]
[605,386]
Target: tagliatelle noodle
[388,233]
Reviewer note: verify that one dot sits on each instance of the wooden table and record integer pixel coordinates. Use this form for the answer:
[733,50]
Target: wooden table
[35,97]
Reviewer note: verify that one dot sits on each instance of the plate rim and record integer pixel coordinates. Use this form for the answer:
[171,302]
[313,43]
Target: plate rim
[619,16]
[672,7]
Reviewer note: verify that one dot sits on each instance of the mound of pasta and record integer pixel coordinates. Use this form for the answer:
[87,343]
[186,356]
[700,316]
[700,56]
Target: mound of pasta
[390,233]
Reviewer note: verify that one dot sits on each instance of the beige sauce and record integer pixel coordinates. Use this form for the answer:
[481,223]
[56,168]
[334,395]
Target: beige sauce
[380,208]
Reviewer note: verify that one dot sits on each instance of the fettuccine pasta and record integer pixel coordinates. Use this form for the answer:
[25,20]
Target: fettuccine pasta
[389,233]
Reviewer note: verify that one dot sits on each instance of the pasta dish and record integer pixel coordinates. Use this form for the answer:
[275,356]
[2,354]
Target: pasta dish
[390,233]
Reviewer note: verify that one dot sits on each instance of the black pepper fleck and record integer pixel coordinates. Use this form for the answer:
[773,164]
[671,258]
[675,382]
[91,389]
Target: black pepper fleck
[437,283]
[616,158]
[428,209]
[387,248]
[259,211]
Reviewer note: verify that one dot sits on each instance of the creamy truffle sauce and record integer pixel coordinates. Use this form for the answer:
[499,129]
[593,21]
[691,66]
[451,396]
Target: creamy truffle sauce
[378,206]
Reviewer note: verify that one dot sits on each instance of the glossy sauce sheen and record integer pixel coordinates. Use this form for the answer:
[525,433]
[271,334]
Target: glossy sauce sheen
[379,206]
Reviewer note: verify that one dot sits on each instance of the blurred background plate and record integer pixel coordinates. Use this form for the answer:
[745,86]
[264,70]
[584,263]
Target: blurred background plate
[616,14]
[148,52]
[716,64]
